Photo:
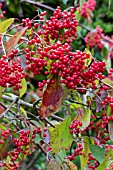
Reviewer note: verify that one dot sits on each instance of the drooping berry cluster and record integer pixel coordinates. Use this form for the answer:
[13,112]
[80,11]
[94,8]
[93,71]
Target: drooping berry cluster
[11,73]
[23,146]
[87,9]
[94,38]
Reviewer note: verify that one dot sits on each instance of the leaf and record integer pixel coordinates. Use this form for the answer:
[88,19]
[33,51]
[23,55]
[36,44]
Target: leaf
[24,87]
[5,24]
[23,112]
[5,147]
[107,161]
[2,127]
[97,152]
[1,91]
[85,119]
[81,3]
[53,98]
[53,165]
[60,138]
[109,6]
[86,151]
[69,165]
[98,102]
[10,45]
[110,130]
[109,83]
[65,1]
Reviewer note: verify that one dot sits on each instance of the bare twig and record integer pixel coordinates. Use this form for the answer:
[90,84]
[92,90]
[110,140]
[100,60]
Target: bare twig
[38,4]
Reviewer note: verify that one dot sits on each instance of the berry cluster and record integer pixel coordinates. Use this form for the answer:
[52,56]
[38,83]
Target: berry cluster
[57,57]
[24,146]
[87,9]
[94,38]
[11,73]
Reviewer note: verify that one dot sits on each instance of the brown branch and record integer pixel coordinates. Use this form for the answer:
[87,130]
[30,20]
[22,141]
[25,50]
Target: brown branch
[39,4]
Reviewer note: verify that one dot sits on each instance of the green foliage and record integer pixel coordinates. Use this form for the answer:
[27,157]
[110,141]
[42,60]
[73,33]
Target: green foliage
[60,136]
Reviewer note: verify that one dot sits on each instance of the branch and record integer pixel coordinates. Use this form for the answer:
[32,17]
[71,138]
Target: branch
[33,160]
[39,4]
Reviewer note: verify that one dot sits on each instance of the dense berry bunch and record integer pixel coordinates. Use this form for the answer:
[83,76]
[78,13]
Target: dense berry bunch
[94,38]
[87,9]
[23,143]
[11,73]
[57,57]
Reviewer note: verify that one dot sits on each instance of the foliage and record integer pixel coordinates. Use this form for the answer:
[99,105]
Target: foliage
[56,87]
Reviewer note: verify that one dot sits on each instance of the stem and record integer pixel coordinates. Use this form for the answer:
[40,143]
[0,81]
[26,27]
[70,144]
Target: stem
[8,109]
[39,4]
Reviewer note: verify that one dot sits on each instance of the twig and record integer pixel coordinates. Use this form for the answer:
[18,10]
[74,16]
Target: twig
[42,149]
[8,109]
[46,119]
[33,160]
[39,4]
[57,118]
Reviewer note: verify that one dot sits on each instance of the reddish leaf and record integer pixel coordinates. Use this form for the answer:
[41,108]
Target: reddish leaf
[5,147]
[52,99]
[10,45]
[110,130]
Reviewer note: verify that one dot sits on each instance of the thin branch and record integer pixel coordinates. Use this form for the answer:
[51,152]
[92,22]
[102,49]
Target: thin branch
[8,109]
[39,4]
[33,160]
[21,102]
[42,149]
[57,118]
[46,120]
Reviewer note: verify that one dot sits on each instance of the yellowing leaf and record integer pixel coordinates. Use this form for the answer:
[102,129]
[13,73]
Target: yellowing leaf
[5,24]
[53,164]
[85,119]
[10,45]
[1,90]
[60,138]
[86,151]
[108,82]
[24,87]
[70,165]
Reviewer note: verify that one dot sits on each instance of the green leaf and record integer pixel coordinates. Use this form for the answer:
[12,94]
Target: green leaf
[109,6]
[107,161]
[86,151]
[81,3]
[37,138]
[97,152]
[86,119]
[60,138]
[65,1]
[5,24]
[10,45]
[23,111]
[24,87]
[1,91]
[60,156]
[2,127]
